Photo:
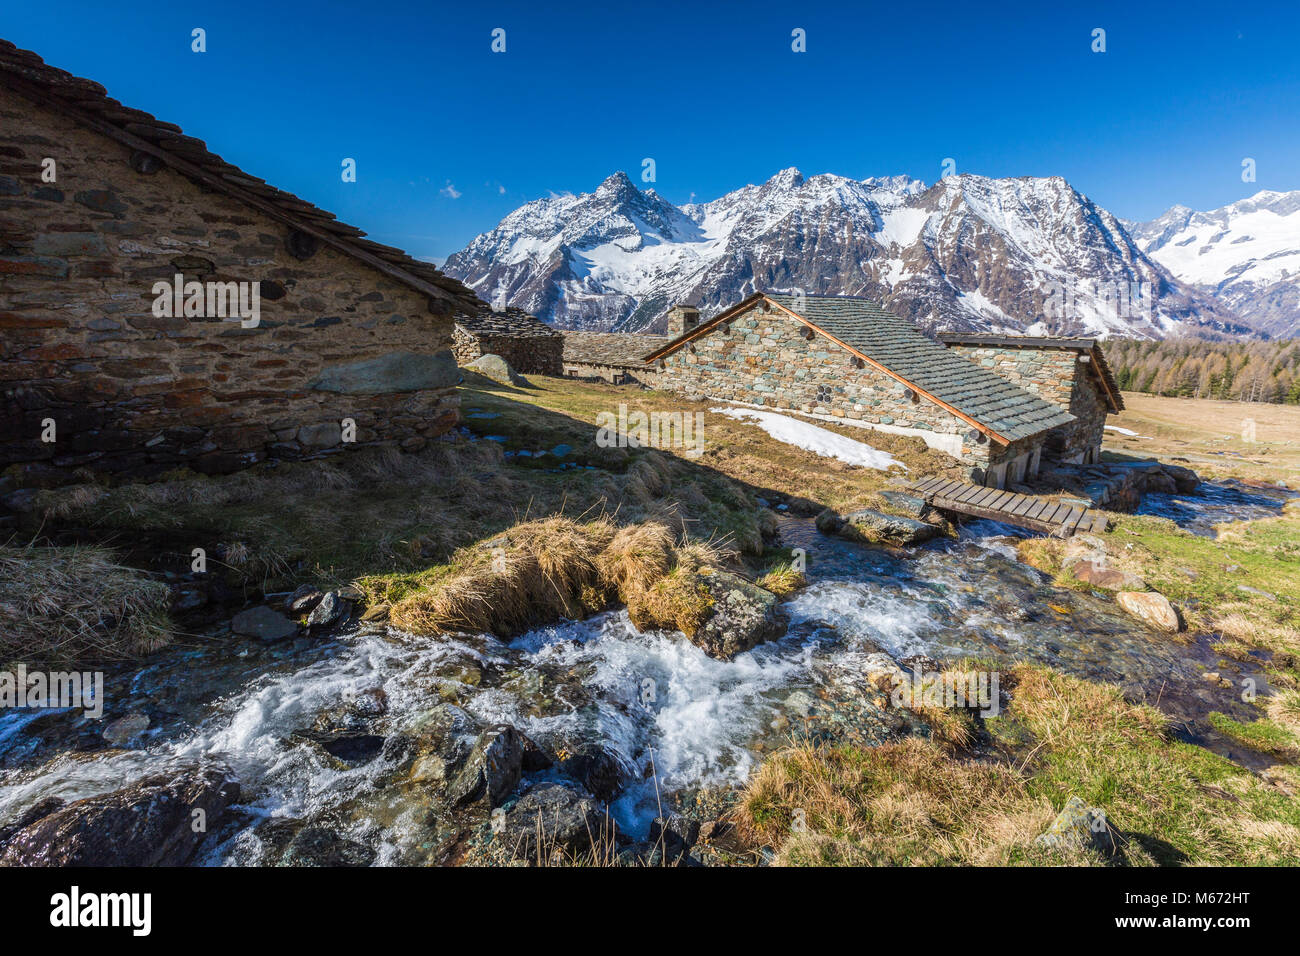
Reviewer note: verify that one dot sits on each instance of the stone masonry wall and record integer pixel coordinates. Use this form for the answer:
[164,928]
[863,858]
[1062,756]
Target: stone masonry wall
[1056,376]
[527,354]
[133,394]
[765,360]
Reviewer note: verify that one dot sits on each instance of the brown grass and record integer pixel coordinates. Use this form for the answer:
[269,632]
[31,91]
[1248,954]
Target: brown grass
[535,573]
[913,801]
[62,604]
[904,803]
[783,581]
[1206,435]
[636,557]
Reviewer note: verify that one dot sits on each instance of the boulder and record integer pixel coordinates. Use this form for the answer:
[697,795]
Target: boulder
[303,600]
[568,820]
[875,527]
[1078,826]
[497,369]
[908,504]
[671,839]
[328,611]
[492,770]
[318,846]
[1098,573]
[599,770]
[744,615]
[1151,608]
[347,747]
[446,737]
[264,624]
[1185,479]
[148,823]
[37,811]
[122,731]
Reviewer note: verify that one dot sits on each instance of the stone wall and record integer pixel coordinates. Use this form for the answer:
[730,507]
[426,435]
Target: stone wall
[134,394]
[1058,376]
[527,354]
[613,374]
[765,360]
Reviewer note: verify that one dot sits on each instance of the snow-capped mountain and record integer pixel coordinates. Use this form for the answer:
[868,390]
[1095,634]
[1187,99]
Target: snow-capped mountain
[1246,254]
[968,253]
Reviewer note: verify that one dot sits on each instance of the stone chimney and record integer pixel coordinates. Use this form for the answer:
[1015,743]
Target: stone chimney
[682,318]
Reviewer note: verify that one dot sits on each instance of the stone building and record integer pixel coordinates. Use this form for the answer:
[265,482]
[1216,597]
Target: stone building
[843,358]
[530,345]
[614,357]
[1069,372]
[101,207]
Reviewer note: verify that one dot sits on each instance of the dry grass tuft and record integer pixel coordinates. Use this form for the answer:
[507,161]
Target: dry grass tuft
[61,604]
[532,574]
[637,556]
[783,581]
[536,572]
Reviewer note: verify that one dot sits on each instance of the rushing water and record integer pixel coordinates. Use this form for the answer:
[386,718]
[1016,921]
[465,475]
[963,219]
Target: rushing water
[673,718]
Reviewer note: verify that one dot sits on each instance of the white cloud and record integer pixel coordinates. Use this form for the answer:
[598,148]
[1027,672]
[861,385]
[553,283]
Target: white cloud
[450,191]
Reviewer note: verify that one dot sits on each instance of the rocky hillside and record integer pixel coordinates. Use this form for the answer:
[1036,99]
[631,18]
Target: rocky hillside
[968,253]
[1246,254]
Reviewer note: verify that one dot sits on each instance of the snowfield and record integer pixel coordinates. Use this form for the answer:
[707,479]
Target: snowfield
[809,437]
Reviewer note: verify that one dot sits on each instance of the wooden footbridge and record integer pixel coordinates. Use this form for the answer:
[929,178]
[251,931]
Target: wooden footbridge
[1025,511]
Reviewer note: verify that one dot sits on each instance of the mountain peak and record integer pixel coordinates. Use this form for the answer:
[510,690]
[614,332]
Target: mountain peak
[616,184]
[788,178]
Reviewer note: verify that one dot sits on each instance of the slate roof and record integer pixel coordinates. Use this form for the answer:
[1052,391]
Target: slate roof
[515,322]
[89,104]
[1006,410]
[616,349]
[1091,346]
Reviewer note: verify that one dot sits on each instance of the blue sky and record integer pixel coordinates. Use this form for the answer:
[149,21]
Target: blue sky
[449,136]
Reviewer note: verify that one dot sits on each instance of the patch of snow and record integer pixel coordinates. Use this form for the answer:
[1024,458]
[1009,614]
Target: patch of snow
[819,441]
[1124,431]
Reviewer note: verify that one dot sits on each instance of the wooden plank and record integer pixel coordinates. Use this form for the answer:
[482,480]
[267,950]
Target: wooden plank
[1025,506]
[1000,502]
[982,495]
[1049,513]
[946,488]
[990,500]
[1017,501]
[1063,514]
[929,484]
[1098,523]
[957,490]
[1072,520]
[972,494]
[1045,512]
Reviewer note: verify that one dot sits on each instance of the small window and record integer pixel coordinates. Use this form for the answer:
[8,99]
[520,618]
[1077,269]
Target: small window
[823,394]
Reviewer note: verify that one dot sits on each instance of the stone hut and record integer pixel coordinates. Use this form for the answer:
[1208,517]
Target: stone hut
[1071,373]
[530,345]
[614,357]
[161,308]
[842,358]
